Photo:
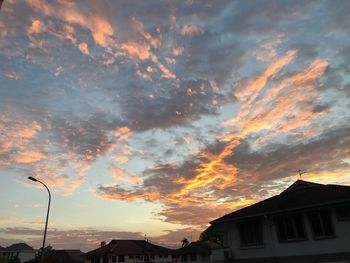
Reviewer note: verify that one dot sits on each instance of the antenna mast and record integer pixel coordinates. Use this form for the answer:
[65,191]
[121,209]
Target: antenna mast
[301,172]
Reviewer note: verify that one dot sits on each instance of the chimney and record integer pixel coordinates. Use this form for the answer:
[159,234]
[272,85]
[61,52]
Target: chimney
[103,243]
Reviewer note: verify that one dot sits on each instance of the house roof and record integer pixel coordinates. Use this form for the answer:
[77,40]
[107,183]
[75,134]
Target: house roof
[60,256]
[2,248]
[18,247]
[298,196]
[130,247]
[198,247]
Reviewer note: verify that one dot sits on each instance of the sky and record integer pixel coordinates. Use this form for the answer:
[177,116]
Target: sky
[149,119]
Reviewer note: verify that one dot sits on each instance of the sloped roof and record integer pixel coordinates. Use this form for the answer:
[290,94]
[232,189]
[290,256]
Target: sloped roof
[2,248]
[198,247]
[61,256]
[18,247]
[300,195]
[130,247]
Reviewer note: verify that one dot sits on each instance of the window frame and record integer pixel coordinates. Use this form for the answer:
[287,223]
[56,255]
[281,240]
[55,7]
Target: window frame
[250,224]
[320,214]
[283,219]
[339,217]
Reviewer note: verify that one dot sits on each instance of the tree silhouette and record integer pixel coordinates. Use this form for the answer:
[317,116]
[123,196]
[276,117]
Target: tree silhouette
[185,242]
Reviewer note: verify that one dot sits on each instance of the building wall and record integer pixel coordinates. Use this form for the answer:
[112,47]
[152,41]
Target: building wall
[26,255]
[273,248]
[21,255]
[137,259]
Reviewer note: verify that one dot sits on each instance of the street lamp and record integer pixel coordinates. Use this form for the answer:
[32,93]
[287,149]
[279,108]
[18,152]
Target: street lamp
[47,216]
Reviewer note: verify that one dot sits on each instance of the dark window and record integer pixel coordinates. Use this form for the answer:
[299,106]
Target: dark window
[290,228]
[193,257]
[343,213]
[121,258]
[250,233]
[146,258]
[114,259]
[184,258]
[321,224]
[131,257]
[152,257]
[95,259]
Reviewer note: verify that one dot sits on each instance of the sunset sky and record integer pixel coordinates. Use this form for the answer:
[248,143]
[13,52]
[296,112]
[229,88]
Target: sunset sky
[155,117]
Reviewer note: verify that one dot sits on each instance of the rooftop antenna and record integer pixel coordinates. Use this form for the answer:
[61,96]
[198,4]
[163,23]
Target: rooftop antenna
[301,172]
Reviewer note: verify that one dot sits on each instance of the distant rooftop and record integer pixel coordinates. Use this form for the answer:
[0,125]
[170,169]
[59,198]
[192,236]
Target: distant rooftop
[18,247]
[299,195]
[198,247]
[130,247]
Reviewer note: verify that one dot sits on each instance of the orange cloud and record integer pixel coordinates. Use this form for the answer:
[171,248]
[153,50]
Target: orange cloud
[30,157]
[121,159]
[84,48]
[100,28]
[137,50]
[123,133]
[36,27]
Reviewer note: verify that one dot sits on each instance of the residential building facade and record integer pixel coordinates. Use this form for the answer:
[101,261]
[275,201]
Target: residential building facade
[20,251]
[306,223]
[60,256]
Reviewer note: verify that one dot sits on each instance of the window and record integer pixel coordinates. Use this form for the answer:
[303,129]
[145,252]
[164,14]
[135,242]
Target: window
[121,258]
[343,213]
[290,228]
[193,257]
[146,258]
[321,224]
[250,233]
[184,258]
[105,259]
[114,259]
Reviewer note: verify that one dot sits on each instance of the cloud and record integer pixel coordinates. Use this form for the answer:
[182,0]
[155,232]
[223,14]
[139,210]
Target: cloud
[203,182]
[30,157]
[84,48]
[88,239]
[100,28]
[178,107]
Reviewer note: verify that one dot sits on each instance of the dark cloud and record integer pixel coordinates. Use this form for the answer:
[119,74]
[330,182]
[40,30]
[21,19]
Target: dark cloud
[177,106]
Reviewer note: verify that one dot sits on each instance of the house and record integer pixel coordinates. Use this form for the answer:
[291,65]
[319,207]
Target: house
[307,222]
[60,256]
[129,251]
[195,252]
[20,251]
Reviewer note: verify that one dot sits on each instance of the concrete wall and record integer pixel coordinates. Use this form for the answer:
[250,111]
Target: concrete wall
[272,248]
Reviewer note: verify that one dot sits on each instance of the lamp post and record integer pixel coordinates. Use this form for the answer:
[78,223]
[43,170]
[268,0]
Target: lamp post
[47,216]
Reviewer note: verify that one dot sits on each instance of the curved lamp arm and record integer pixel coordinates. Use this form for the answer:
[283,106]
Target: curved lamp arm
[47,214]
